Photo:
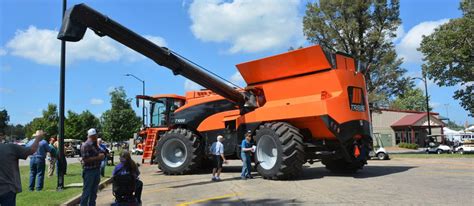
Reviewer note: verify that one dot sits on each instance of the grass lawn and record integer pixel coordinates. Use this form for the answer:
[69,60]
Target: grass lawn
[427,156]
[49,195]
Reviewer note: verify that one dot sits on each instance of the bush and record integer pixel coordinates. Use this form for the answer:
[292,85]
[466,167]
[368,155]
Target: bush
[408,146]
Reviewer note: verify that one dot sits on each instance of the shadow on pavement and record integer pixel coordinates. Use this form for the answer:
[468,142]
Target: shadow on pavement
[204,182]
[266,201]
[367,172]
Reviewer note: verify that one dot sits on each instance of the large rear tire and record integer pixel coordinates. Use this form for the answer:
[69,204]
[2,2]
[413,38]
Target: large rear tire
[280,151]
[178,152]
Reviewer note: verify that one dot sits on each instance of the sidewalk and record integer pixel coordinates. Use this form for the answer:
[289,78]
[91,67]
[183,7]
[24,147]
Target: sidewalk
[398,150]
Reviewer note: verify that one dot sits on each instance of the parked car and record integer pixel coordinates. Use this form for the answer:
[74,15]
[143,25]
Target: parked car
[437,148]
[378,151]
[466,147]
[137,151]
[72,147]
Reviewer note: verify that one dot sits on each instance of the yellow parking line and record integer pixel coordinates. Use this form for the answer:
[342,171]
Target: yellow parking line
[208,199]
[155,190]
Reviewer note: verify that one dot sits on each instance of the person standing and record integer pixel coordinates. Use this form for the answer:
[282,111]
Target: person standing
[10,181]
[91,158]
[217,150]
[104,150]
[246,149]
[128,166]
[38,164]
[52,156]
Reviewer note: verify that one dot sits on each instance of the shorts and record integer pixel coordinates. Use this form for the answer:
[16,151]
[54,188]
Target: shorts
[218,161]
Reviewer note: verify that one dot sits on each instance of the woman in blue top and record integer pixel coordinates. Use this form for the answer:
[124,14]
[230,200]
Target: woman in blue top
[246,149]
[128,166]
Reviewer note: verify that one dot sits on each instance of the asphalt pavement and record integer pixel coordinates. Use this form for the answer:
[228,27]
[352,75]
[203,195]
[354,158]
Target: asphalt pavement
[400,181]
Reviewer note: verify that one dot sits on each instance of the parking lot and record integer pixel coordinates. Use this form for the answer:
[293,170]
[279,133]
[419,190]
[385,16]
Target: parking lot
[399,181]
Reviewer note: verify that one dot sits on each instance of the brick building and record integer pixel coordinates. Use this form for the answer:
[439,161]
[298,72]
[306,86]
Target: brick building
[397,126]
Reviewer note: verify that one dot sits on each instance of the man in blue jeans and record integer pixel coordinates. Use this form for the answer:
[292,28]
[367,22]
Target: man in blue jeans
[246,149]
[10,182]
[91,158]
[38,164]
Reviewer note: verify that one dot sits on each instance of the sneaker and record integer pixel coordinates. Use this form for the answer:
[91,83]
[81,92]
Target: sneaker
[218,179]
[214,179]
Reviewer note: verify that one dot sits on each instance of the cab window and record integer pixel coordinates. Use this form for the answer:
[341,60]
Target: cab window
[158,114]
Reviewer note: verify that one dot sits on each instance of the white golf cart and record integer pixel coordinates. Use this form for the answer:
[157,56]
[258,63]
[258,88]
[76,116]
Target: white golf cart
[378,151]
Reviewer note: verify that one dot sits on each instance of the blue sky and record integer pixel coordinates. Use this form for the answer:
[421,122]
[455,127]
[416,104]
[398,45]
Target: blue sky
[216,34]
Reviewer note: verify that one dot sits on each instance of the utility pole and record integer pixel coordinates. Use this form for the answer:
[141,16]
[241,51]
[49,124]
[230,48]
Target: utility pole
[427,101]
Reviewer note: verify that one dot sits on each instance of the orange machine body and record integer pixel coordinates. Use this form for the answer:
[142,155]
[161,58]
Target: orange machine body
[321,94]
[299,87]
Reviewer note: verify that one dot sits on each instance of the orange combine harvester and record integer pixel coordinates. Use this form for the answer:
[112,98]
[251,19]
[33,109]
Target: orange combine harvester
[301,106]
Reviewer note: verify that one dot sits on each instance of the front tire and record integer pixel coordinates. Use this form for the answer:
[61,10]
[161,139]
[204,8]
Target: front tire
[178,152]
[439,151]
[280,151]
[381,156]
[461,151]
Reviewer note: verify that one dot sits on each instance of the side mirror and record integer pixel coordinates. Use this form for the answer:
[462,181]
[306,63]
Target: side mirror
[137,102]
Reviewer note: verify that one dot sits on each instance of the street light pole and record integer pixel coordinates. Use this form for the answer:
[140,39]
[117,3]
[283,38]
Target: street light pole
[61,158]
[143,92]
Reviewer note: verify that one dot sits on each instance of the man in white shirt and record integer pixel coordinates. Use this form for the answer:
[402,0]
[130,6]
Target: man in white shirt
[217,150]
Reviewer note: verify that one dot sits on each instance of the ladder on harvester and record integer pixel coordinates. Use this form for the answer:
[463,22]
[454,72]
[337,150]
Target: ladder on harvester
[148,149]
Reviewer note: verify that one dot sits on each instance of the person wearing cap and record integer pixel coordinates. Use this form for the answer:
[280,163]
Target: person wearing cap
[217,150]
[246,149]
[10,181]
[91,159]
[38,164]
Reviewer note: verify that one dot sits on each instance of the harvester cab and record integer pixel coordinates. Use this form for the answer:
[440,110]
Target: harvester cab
[301,106]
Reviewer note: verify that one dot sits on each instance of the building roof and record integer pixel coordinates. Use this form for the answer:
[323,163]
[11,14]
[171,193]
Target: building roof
[408,120]
[406,111]
[414,120]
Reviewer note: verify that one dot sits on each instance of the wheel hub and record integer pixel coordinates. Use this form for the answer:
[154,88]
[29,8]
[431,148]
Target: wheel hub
[174,153]
[267,152]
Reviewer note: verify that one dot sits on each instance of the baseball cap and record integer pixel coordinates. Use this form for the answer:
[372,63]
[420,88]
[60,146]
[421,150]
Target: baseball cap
[91,132]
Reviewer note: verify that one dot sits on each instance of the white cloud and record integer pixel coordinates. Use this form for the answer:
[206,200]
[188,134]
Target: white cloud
[42,46]
[3,52]
[190,85]
[248,25]
[157,40]
[95,101]
[237,79]
[4,90]
[412,39]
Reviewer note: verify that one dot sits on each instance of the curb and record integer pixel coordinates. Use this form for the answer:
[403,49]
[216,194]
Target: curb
[77,199]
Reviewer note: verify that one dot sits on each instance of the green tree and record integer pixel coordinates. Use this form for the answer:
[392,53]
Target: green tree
[16,131]
[365,30]
[76,125]
[48,122]
[412,99]
[449,56]
[120,122]
[4,119]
